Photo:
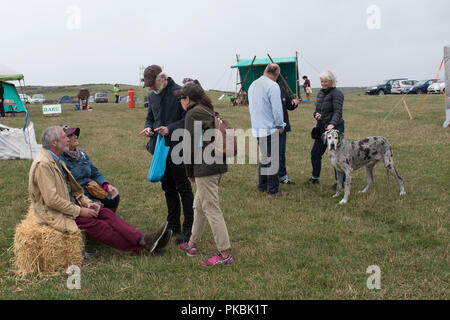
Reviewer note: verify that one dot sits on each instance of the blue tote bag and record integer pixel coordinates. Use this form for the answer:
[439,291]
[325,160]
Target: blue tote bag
[158,165]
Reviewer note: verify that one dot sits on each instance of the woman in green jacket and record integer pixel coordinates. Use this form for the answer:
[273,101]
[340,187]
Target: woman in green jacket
[205,173]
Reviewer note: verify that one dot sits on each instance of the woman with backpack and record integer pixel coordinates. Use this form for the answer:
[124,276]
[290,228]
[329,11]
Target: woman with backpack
[204,174]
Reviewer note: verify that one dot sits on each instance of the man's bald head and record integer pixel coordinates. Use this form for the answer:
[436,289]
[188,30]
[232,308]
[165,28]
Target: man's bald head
[272,71]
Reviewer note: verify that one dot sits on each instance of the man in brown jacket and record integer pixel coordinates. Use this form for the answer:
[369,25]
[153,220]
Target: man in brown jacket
[59,202]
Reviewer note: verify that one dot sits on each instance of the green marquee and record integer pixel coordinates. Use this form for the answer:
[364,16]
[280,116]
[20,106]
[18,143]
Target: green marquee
[288,68]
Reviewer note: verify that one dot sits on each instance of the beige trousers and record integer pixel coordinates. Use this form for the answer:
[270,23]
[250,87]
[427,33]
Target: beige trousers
[206,208]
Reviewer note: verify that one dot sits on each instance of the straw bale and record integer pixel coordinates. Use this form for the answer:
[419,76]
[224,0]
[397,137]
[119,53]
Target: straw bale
[40,249]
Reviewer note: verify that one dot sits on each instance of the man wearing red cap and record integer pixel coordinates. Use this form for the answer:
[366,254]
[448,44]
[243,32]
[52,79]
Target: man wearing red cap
[165,115]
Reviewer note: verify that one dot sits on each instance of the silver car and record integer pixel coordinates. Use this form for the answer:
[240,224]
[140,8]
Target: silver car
[402,86]
[37,99]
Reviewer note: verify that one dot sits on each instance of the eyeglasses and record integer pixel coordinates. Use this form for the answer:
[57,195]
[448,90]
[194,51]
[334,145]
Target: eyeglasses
[182,97]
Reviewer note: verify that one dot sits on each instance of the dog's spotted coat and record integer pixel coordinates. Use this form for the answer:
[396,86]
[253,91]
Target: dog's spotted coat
[347,156]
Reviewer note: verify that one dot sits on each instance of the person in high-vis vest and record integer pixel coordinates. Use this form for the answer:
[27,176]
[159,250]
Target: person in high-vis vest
[116,90]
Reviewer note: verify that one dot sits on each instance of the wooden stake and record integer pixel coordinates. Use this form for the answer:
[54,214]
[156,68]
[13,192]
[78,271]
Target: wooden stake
[407,109]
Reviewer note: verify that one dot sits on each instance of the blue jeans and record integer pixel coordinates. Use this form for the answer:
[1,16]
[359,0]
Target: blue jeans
[282,174]
[269,166]
[317,151]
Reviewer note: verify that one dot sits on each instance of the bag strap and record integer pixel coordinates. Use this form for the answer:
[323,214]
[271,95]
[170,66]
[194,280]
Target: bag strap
[207,111]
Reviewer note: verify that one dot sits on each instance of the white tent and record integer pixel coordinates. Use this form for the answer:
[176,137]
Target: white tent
[18,143]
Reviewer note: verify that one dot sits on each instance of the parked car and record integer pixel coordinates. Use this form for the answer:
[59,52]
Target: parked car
[37,99]
[383,87]
[402,86]
[91,99]
[100,97]
[421,87]
[25,98]
[436,87]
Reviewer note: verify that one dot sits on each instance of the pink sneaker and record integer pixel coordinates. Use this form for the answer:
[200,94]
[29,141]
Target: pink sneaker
[191,251]
[217,259]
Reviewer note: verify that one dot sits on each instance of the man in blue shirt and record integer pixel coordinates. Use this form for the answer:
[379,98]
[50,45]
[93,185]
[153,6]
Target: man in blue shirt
[266,114]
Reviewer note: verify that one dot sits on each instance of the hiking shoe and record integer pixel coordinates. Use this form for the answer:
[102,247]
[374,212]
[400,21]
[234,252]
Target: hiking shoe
[312,181]
[191,251]
[287,181]
[151,239]
[217,259]
[278,194]
[164,240]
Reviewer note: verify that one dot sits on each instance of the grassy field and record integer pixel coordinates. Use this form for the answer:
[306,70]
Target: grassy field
[303,247]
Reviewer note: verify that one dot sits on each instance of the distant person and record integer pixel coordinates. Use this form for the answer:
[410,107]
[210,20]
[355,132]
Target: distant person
[116,90]
[2,93]
[165,115]
[266,115]
[307,88]
[207,177]
[59,202]
[328,113]
[94,184]
[288,104]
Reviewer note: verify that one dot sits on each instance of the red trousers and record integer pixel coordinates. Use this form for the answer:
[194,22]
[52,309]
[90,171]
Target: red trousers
[112,230]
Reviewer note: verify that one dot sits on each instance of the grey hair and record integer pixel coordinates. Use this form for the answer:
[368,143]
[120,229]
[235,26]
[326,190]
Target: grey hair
[328,75]
[273,69]
[50,134]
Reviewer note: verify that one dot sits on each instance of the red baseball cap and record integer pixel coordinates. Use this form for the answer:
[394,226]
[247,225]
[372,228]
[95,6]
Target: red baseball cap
[69,131]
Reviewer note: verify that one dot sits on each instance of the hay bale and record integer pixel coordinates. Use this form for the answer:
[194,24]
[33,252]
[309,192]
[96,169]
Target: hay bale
[40,249]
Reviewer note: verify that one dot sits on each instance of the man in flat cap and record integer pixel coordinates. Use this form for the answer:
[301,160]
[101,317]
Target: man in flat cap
[165,115]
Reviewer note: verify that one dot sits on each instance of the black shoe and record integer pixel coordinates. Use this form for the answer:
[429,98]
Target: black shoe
[287,181]
[312,181]
[181,238]
[164,240]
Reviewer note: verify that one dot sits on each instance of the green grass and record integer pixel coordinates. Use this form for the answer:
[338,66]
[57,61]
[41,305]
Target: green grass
[303,247]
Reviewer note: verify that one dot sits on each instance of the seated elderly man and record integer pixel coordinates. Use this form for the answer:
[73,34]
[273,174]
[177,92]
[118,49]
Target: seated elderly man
[59,202]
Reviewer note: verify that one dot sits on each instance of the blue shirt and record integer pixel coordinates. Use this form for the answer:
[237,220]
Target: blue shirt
[54,156]
[266,110]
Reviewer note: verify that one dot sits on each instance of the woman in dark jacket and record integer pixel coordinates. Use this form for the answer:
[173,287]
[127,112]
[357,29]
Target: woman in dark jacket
[86,174]
[206,170]
[328,113]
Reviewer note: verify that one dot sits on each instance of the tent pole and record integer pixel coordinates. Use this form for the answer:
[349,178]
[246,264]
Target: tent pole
[237,76]
[296,76]
[282,78]
[245,79]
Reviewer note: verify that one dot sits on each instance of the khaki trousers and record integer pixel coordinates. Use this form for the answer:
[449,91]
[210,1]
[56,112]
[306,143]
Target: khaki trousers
[206,208]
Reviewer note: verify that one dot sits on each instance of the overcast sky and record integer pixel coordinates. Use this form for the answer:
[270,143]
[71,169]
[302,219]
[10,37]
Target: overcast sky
[64,42]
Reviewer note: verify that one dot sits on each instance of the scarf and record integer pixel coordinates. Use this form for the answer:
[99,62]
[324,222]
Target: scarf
[73,154]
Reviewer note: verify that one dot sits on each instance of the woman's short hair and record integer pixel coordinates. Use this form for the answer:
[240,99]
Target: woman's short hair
[50,134]
[328,75]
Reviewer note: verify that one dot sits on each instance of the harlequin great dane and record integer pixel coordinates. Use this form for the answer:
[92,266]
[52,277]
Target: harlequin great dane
[348,156]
